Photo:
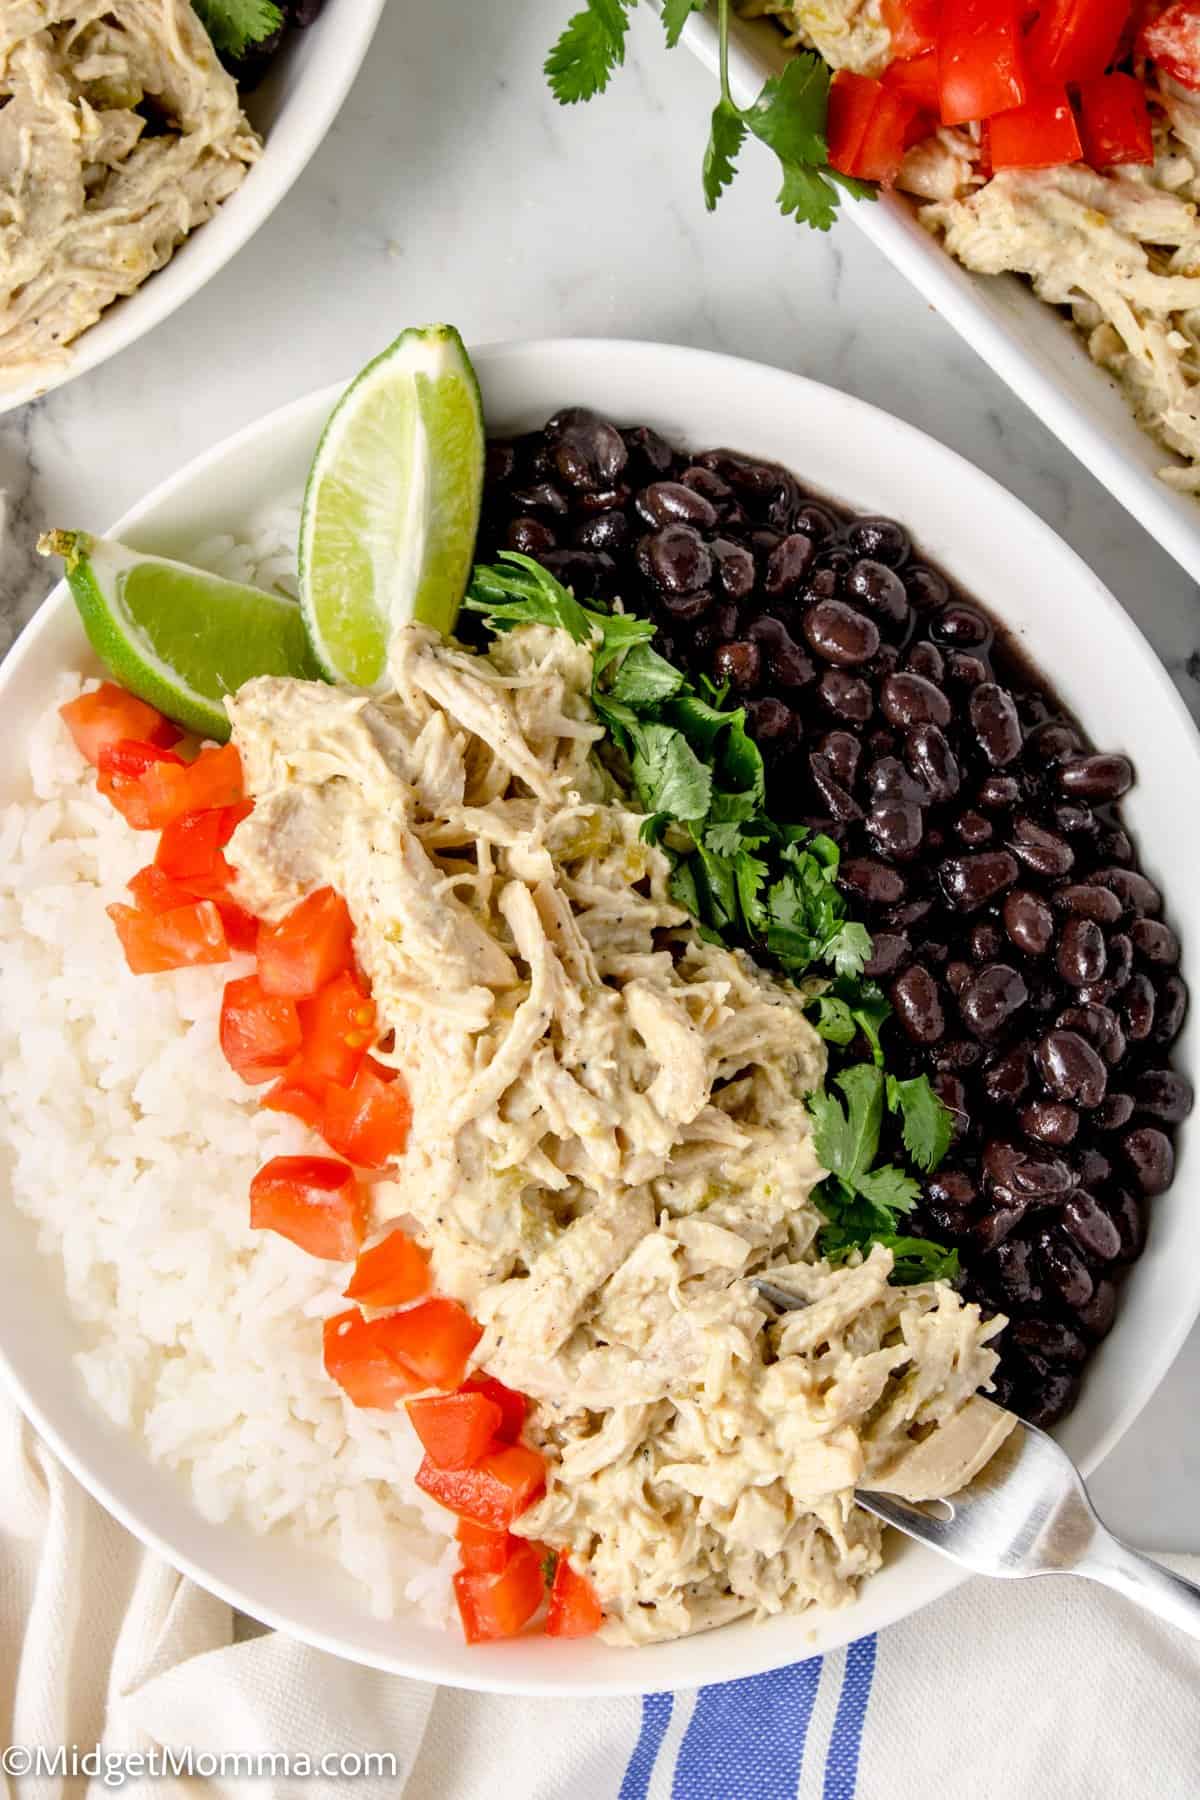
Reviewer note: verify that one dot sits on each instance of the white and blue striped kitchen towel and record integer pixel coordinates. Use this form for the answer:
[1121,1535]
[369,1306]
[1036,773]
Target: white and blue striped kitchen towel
[1039,1690]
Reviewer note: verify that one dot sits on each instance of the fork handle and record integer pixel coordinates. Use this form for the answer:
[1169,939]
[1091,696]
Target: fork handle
[1144,1582]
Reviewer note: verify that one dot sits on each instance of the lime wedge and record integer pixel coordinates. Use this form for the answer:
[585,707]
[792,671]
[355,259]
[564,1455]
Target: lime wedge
[176,636]
[392,504]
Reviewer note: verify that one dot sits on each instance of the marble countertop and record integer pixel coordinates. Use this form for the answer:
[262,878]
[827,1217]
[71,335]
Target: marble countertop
[452,186]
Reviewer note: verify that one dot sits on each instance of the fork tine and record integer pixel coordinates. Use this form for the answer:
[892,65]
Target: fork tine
[906,1515]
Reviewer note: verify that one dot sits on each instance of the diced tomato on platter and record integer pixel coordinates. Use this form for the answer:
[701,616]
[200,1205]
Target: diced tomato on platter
[496,1491]
[1038,135]
[107,715]
[121,767]
[260,1032]
[870,126]
[308,948]
[481,1548]
[1172,40]
[455,1429]
[1114,121]
[434,1339]
[339,1025]
[315,1202]
[912,25]
[497,1605]
[391,1273]
[367,1122]
[981,63]
[574,1609]
[1071,40]
[182,938]
[513,1406]
[357,1356]
[916,80]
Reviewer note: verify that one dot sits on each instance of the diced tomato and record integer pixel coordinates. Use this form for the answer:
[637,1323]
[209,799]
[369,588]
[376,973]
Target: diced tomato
[981,65]
[307,948]
[213,781]
[368,1121]
[1038,135]
[456,1429]
[1114,121]
[574,1609]
[513,1406]
[260,1033]
[189,847]
[485,1550]
[156,892]
[495,1492]
[231,818]
[315,1202]
[107,715]
[178,939]
[288,1097]
[912,25]
[339,1028]
[435,1340]
[358,1359]
[391,1273]
[241,927]
[121,767]
[916,80]
[1074,39]
[869,127]
[1172,40]
[497,1606]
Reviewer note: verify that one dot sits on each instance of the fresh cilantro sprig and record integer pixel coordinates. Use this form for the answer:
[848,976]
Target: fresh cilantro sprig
[235,25]
[788,115]
[748,880]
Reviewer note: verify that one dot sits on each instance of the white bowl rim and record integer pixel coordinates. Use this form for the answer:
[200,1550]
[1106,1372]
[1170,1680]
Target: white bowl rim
[938,1576]
[219,239]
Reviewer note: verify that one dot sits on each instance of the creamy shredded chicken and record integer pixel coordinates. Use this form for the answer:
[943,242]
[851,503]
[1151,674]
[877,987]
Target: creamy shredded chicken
[120,132]
[609,1135]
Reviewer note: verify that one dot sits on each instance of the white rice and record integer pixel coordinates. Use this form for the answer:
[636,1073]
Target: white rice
[132,1145]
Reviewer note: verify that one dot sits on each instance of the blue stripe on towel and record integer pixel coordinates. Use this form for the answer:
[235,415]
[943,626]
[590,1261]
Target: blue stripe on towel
[656,1716]
[841,1766]
[745,1740]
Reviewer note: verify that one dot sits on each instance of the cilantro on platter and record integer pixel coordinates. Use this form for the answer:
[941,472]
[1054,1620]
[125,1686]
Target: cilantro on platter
[788,115]
[748,880]
[236,25]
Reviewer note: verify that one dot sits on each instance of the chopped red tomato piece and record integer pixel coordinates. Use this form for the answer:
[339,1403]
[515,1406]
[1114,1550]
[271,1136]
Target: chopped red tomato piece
[912,25]
[316,1202]
[391,1273]
[916,80]
[308,948]
[156,892]
[358,1359]
[456,1429]
[981,65]
[1114,121]
[483,1549]
[189,847]
[434,1340]
[368,1121]
[260,1033]
[339,1029]
[495,1492]
[1172,40]
[496,1606]
[1073,39]
[107,715]
[121,766]
[574,1609]
[231,818]
[213,781]
[513,1406]
[288,1096]
[1038,135]
[869,127]
[178,939]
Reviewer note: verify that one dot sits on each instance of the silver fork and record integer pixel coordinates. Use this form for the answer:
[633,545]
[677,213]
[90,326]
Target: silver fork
[1027,1513]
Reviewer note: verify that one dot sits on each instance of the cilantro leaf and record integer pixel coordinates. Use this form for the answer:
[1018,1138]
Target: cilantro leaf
[668,774]
[789,114]
[847,1141]
[645,678]
[675,15]
[917,1259]
[806,196]
[726,135]
[591,46]
[834,1021]
[523,593]
[234,25]
[848,949]
[889,1190]
[928,1125]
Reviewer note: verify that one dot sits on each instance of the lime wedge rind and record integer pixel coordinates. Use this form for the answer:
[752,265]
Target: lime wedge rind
[177,636]
[391,507]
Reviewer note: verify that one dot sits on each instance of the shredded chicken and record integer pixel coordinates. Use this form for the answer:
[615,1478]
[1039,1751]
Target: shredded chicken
[120,132]
[609,1135]
[850,34]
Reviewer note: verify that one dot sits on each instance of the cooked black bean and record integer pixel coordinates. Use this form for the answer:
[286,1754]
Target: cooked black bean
[1028,921]
[772,722]
[607,531]
[847,697]
[840,802]
[679,560]
[1100,1026]
[874,883]
[974,829]
[1040,850]
[927,660]
[1006,1080]
[1169,1011]
[843,751]
[1071,1068]
[879,589]
[1096,777]
[710,484]
[1074,821]
[735,567]
[995,721]
[687,608]
[926,588]
[1082,954]
[1050,743]
[1018,1171]
[1150,1156]
[840,635]
[590,574]
[671,503]
[1092,902]
[881,539]
[914,994]
[1137,1007]
[991,997]
[985,941]
[962,627]
[1116,1111]
[908,699]
[532,537]
[1048,1338]
[1155,942]
[649,454]
[1050,1121]
[816,522]
[890,951]
[738,663]
[1120,961]
[1163,1095]
[1065,1269]
[969,882]
[787,565]
[1132,889]
[589,454]
[542,497]
[965,670]
[895,828]
[997,793]
[1096,1318]
[1129,1216]
[957,975]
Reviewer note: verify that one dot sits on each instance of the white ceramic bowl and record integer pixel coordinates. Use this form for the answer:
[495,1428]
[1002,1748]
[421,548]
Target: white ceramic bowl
[291,109]
[1074,629]
[1028,344]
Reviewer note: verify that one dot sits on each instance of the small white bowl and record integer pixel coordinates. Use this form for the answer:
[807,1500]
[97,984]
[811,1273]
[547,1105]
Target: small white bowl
[1073,629]
[291,109]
